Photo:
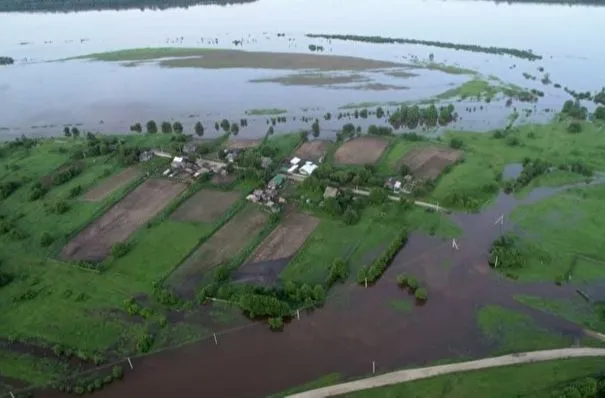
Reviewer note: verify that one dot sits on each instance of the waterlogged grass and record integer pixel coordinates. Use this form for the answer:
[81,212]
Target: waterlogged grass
[555,178]
[402,306]
[577,310]
[566,233]
[481,89]
[29,369]
[477,179]
[221,58]
[266,111]
[512,331]
[537,380]
[446,68]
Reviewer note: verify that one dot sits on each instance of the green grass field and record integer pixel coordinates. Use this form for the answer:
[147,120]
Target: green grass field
[537,380]
[512,331]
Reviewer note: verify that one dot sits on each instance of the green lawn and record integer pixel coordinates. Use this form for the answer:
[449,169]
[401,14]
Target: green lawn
[536,380]
[512,331]
[30,369]
[565,236]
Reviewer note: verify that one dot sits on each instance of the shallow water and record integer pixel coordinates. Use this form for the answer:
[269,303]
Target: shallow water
[48,95]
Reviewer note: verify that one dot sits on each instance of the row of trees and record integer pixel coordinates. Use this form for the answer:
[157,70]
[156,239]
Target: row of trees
[6,61]
[524,54]
[505,253]
[373,272]
[86,5]
[414,116]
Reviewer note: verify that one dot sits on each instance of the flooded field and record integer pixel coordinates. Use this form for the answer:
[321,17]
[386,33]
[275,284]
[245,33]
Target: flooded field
[39,97]
[359,325]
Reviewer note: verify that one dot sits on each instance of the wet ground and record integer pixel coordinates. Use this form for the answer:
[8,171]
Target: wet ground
[357,325]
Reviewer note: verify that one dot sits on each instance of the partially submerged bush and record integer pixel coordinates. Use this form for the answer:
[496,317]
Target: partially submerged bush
[421,294]
[276,323]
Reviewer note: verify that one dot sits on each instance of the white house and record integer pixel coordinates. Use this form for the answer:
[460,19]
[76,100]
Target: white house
[177,162]
[308,169]
[292,169]
[294,161]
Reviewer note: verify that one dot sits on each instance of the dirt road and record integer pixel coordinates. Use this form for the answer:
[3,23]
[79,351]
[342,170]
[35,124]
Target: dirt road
[423,373]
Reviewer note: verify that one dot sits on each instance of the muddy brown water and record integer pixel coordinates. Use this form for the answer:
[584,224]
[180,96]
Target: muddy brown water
[357,325]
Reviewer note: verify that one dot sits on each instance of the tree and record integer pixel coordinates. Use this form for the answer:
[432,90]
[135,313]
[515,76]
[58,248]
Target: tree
[270,130]
[234,129]
[332,206]
[166,127]
[379,112]
[151,127]
[377,196]
[225,125]
[574,127]
[402,280]
[276,323]
[66,132]
[216,126]
[75,132]
[177,127]
[404,170]
[350,217]
[413,283]
[315,128]
[137,128]
[199,129]
[599,113]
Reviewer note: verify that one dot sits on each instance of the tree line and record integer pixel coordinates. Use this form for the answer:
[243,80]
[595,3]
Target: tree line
[86,5]
[524,54]
[414,116]
[6,61]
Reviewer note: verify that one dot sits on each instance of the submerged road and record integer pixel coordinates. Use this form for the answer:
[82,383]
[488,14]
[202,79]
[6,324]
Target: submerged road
[402,376]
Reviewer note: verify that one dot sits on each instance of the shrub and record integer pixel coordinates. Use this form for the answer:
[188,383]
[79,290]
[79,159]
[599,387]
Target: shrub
[117,372]
[75,191]
[374,271]
[120,249]
[412,283]
[456,143]
[350,216]
[107,379]
[402,279]
[276,323]
[46,239]
[512,141]
[421,294]
[79,390]
[61,207]
[338,271]
[599,113]
[574,127]
[145,342]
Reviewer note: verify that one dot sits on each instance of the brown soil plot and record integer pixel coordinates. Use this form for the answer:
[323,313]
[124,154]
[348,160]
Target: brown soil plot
[429,162]
[226,243]
[286,239]
[94,242]
[207,205]
[313,150]
[109,185]
[362,150]
[243,143]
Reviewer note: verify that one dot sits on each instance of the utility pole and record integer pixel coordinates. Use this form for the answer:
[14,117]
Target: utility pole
[500,220]
[454,244]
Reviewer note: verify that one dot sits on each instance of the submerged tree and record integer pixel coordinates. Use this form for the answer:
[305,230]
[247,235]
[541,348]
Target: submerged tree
[166,127]
[199,129]
[67,132]
[152,127]
[315,128]
[177,127]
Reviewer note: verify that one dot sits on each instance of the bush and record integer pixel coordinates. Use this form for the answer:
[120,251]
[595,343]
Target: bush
[338,271]
[421,294]
[46,239]
[402,280]
[145,342]
[117,372]
[120,249]
[413,283]
[574,128]
[599,113]
[456,143]
[61,207]
[75,191]
[350,216]
[276,323]
[378,196]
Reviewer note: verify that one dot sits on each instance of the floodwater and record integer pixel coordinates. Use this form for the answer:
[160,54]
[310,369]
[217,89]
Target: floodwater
[38,97]
[358,325]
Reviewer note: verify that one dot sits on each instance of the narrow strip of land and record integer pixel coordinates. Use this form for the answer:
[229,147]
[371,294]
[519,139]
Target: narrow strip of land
[402,376]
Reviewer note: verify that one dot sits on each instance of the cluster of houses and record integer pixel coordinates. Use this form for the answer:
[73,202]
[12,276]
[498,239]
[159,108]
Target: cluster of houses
[185,167]
[269,195]
[297,166]
[400,185]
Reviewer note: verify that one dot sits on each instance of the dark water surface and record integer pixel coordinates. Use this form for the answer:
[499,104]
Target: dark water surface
[358,326]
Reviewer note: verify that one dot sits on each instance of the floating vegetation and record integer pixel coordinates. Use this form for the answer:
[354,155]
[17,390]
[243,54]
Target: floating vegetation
[525,54]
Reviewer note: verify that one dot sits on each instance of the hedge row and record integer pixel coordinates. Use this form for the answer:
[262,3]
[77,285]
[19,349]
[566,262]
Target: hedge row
[380,264]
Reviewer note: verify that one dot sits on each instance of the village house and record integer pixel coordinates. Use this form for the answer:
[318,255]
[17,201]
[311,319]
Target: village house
[331,192]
